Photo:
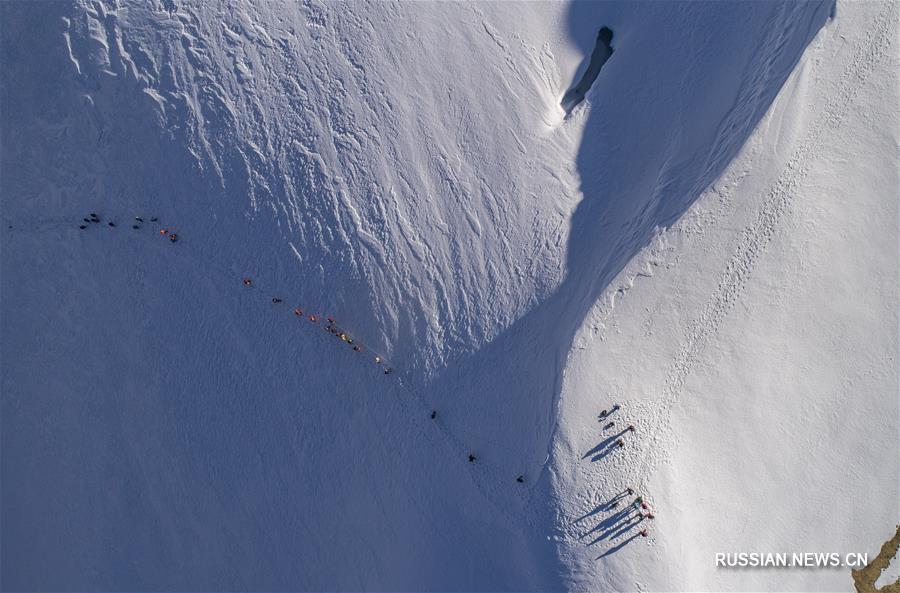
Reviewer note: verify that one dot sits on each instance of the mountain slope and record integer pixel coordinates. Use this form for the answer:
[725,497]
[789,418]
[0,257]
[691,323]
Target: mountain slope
[406,168]
[754,348]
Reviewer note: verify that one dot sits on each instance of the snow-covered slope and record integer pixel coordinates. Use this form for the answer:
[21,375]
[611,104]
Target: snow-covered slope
[754,347]
[408,169]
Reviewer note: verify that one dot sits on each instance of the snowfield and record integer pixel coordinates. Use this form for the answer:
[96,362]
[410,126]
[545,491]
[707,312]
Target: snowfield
[709,240]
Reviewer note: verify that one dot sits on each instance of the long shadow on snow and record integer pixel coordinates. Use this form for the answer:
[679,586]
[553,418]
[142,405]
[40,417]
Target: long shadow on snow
[618,530]
[607,442]
[611,522]
[618,547]
[610,504]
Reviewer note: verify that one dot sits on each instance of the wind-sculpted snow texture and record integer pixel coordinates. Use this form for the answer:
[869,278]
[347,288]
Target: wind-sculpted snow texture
[403,166]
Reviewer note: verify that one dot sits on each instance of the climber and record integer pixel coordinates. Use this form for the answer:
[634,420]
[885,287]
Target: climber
[620,443]
[603,415]
[153,219]
[433,414]
[330,319]
[139,219]
[313,318]
[163,231]
[173,237]
[135,226]
[85,219]
[275,300]
[648,516]
[388,371]
[643,533]
[377,360]
[520,479]
[248,282]
[82,227]
[472,458]
[608,426]
[629,491]
[357,348]
[111,223]
[630,428]
[298,312]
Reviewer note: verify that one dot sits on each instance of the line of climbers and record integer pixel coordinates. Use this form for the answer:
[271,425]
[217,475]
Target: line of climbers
[94,219]
[331,324]
[332,328]
[639,504]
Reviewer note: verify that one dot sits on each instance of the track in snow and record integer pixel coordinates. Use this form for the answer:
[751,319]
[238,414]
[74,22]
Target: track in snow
[645,459]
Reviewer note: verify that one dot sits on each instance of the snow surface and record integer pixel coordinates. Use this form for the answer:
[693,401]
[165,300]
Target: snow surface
[709,239]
